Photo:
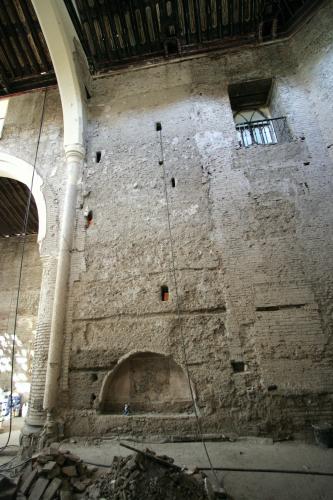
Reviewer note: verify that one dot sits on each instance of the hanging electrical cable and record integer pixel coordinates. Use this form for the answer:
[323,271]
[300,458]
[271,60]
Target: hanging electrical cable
[23,241]
[174,275]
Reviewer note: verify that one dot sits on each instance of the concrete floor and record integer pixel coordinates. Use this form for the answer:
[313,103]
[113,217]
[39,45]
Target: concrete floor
[9,452]
[251,453]
[248,452]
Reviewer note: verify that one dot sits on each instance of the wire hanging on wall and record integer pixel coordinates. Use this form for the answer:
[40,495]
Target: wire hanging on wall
[174,275]
[23,241]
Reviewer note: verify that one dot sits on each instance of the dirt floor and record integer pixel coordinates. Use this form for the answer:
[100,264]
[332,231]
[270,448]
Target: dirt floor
[247,452]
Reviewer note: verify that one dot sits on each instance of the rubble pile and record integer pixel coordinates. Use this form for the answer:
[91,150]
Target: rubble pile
[52,474]
[139,477]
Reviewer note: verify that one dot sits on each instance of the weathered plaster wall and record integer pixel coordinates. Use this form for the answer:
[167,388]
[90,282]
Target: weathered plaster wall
[10,260]
[251,232]
[252,235]
[312,48]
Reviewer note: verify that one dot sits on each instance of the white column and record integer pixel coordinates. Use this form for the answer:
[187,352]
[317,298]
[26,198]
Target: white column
[74,159]
[73,76]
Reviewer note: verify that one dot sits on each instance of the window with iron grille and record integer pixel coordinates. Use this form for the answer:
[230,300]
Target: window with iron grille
[255,126]
[250,103]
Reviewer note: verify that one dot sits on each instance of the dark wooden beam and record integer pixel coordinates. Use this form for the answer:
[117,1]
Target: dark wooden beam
[10,52]
[16,31]
[197,20]
[118,49]
[102,14]
[187,22]
[121,7]
[155,23]
[90,22]
[134,26]
[34,34]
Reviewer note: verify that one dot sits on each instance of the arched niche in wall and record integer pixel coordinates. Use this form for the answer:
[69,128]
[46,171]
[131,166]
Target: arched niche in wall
[20,170]
[148,382]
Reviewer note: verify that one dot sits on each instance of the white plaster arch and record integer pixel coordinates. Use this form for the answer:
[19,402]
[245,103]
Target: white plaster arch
[20,170]
[70,65]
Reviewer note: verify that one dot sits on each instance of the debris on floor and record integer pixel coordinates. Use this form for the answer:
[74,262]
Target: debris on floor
[144,477]
[51,474]
[56,474]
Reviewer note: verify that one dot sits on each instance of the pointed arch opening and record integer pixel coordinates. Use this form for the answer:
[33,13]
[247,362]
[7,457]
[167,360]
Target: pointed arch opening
[23,172]
[20,287]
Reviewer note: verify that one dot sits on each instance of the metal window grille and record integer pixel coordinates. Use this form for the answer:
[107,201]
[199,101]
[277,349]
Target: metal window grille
[266,131]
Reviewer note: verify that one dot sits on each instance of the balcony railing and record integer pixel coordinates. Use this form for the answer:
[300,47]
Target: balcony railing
[267,131]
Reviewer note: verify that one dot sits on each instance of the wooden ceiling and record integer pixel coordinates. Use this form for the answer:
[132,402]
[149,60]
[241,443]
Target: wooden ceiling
[115,33]
[14,197]
[118,32]
[25,62]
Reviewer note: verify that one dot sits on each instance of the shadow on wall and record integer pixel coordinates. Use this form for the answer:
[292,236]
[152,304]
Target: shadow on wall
[148,382]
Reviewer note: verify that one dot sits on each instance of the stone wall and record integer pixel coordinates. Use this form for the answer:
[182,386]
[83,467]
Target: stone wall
[313,79]
[247,233]
[11,252]
[250,234]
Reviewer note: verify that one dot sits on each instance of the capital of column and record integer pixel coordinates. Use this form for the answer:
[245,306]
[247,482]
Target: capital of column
[74,152]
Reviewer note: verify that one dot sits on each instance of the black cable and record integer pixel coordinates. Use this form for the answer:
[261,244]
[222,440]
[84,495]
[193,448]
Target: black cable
[270,471]
[200,432]
[24,233]
[15,466]
[239,469]
[6,463]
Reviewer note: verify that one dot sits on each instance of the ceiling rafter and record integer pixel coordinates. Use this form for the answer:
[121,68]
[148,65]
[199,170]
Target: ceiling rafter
[34,33]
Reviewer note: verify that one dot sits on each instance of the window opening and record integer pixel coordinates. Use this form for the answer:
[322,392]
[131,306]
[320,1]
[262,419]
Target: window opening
[173,182]
[250,103]
[88,215]
[238,366]
[98,156]
[164,293]
[93,397]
